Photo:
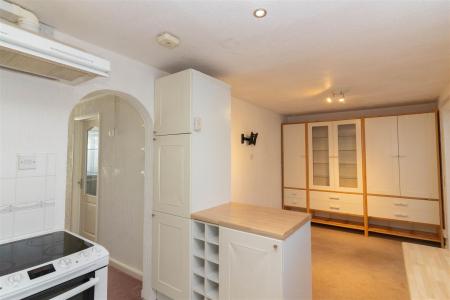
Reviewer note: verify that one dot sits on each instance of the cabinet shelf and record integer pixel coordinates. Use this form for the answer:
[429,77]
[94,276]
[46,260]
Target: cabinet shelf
[415,234]
[339,223]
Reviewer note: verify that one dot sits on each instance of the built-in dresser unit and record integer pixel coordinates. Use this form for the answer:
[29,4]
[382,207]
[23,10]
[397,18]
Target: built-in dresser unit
[374,174]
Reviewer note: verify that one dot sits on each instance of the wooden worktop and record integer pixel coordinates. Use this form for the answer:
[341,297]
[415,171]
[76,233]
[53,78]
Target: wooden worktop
[267,221]
[428,271]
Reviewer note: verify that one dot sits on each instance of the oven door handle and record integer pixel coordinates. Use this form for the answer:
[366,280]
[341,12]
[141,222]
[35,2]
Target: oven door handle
[79,289]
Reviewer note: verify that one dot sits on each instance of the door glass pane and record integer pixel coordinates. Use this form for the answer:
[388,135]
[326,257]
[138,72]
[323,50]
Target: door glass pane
[92,161]
[321,161]
[348,164]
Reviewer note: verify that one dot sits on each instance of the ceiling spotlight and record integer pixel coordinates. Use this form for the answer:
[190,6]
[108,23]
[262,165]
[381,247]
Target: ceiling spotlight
[329,100]
[341,97]
[260,13]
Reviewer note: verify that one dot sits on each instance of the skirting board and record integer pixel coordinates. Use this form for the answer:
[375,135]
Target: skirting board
[135,273]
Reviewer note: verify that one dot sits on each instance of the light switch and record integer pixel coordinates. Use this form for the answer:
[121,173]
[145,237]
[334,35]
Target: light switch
[26,162]
[197,124]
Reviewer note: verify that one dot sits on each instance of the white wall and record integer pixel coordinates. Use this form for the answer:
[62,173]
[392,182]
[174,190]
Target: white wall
[34,119]
[255,170]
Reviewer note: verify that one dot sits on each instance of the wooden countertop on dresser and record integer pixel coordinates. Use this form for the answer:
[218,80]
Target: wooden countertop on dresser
[267,221]
[428,271]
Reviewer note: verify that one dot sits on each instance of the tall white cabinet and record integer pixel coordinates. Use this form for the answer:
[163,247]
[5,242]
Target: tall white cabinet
[294,165]
[191,169]
[402,171]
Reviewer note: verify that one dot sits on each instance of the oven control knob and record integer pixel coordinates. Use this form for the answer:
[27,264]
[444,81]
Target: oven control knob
[15,279]
[65,262]
[87,252]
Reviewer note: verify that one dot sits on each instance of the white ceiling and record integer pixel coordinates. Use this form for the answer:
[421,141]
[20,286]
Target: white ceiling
[379,52]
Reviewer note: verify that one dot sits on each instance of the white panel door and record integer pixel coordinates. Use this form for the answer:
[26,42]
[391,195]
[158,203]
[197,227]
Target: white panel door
[170,255]
[346,156]
[294,156]
[250,266]
[89,179]
[173,104]
[172,174]
[418,156]
[382,166]
[320,136]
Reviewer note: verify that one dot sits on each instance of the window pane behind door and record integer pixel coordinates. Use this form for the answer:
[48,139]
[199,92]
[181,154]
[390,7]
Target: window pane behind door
[348,167]
[92,161]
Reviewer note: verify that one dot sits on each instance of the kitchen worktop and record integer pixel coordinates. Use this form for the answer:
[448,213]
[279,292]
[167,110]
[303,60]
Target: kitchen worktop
[428,271]
[271,222]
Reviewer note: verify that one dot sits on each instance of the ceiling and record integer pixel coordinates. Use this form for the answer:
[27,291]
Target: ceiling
[378,52]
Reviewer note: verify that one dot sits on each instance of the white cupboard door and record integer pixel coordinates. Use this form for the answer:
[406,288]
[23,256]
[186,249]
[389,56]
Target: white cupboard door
[320,155]
[347,159]
[250,266]
[418,156]
[172,174]
[294,156]
[173,104]
[382,166]
[170,255]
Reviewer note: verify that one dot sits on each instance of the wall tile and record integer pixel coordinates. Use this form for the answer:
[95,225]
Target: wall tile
[7,191]
[30,189]
[51,164]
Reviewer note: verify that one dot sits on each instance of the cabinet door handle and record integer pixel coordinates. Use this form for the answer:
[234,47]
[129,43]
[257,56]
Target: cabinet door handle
[335,207]
[401,215]
[275,246]
[333,198]
[401,204]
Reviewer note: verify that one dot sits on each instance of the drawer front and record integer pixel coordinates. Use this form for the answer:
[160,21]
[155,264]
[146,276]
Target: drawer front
[421,211]
[337,202]
[295,198]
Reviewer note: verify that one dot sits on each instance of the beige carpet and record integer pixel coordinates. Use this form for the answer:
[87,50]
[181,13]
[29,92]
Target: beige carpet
[347,265]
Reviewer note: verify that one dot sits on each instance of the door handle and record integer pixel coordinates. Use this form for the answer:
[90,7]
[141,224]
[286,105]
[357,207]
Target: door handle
[78,290]
[80,183]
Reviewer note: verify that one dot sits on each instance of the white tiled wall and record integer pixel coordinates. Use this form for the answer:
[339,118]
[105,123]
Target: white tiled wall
[27,197]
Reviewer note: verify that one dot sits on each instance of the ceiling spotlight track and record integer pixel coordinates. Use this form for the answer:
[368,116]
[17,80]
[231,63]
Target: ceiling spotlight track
[336,96]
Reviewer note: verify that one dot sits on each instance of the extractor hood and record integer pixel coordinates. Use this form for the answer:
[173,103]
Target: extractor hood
[29,52]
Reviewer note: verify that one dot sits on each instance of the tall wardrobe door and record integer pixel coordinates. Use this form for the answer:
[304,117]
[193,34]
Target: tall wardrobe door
[382,167]
[170,257]
[172,174]
[418,155]
[173,104]
[294,156]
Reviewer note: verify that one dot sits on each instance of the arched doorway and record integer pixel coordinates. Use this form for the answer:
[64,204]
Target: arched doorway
[106,199]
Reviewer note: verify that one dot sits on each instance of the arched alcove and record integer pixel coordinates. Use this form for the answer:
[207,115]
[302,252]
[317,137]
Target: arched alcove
[88,112]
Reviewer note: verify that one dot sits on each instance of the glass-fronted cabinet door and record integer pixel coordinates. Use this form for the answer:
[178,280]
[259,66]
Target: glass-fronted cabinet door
[347,155]
[320,154]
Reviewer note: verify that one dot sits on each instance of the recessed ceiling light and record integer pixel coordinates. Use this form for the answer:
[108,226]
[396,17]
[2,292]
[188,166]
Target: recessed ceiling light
[342,99]
[329,100]
[260,13]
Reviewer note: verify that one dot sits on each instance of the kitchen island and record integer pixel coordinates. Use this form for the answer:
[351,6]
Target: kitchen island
[243,251]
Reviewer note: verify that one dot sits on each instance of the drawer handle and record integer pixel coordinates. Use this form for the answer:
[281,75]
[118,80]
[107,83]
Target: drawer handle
[401,215]
[335,207]
[333,198]
[401,204]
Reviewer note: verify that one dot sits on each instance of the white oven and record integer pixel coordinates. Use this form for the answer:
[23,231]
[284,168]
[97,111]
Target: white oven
[56,266]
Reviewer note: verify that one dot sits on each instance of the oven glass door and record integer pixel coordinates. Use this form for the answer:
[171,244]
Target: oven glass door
[80,288]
